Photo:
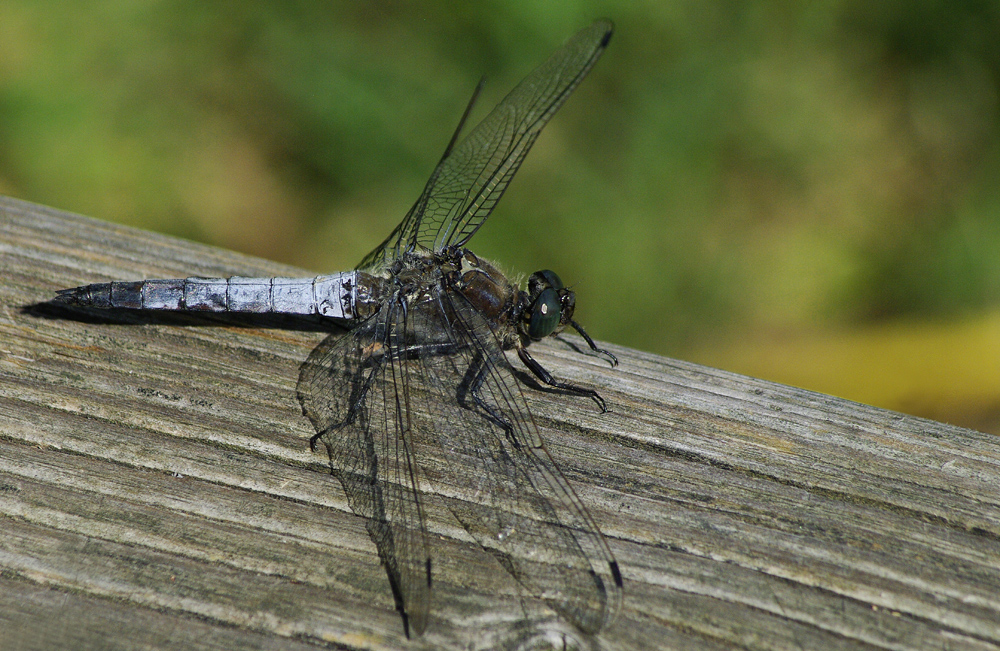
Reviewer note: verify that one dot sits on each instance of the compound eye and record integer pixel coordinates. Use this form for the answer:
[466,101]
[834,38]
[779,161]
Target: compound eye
[544,314]
[551,279]
[542,280]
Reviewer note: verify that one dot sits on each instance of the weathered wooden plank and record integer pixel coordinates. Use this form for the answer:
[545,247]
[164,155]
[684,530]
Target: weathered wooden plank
[156,484]
[85,622]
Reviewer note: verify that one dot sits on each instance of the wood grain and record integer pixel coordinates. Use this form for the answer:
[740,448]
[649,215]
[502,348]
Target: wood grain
[157,490]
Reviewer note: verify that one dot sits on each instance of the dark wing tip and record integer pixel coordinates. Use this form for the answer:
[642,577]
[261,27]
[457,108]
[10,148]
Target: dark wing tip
[610,29]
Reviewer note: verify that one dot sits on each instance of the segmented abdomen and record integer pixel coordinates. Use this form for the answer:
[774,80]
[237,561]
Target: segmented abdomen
[330,296]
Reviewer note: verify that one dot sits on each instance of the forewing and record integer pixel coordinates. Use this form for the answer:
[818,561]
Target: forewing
[355,394]
[471,177]
[505,488]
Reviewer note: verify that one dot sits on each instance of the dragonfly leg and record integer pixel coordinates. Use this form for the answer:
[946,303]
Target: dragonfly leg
[471,385]
[359,393]
[590,342]
[548,379]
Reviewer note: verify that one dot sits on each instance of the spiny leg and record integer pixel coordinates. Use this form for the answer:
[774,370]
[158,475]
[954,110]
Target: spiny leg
[359,393]
[471,385]
[590,342]
[548,379]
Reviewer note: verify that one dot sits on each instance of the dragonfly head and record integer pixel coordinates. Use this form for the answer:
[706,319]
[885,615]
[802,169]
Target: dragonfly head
[550,305]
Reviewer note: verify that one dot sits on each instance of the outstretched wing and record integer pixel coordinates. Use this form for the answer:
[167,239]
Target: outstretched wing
[355,394]
[423,398]
[472,176]
[485,451]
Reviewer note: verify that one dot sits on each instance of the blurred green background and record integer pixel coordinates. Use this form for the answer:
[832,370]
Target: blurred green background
[801,191]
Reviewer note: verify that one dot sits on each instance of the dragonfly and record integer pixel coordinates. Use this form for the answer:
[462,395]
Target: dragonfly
[420,392]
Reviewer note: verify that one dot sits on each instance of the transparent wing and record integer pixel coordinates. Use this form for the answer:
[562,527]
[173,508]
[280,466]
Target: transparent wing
[472,176]
[504,487]
[355,394]
[431,384]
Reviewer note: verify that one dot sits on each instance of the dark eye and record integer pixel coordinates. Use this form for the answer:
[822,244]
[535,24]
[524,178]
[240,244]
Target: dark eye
[542,279]
[551,279]
[544,314]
